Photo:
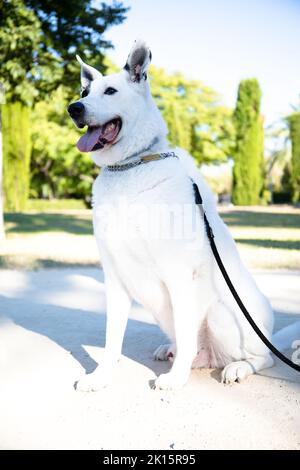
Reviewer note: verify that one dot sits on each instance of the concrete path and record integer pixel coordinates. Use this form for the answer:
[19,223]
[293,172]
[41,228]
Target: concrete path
[52,327]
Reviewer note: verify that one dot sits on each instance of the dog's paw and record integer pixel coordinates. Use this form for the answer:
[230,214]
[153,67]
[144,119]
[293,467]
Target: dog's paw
[165,352]
[93,382]
[168,381]
[236,372]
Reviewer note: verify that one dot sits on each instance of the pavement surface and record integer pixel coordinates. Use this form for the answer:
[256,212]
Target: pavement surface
[52,329]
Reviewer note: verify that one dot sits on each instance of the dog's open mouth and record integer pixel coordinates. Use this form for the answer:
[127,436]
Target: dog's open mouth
[97,137]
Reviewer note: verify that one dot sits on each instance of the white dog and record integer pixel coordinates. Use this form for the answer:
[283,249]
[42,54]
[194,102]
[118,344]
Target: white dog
[172,273]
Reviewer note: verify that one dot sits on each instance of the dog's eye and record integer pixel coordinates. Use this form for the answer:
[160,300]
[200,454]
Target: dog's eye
[84,93]
[110,91]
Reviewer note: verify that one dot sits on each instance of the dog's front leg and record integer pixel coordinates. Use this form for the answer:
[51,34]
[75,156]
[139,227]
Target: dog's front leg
[118,306]
[190,301]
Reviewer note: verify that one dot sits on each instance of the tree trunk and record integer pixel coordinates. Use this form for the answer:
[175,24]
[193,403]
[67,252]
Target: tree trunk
[2,233]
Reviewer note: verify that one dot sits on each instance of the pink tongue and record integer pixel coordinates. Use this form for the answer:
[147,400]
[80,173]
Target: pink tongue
[89,140]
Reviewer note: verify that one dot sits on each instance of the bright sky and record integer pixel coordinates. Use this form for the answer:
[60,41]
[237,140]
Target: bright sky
[220,42]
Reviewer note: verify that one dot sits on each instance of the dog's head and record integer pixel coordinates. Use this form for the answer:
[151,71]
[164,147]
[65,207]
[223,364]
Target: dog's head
[118,110]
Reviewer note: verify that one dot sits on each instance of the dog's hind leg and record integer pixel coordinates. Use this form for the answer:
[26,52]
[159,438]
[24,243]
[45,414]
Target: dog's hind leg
[239,370]
[164,317]
[235,347]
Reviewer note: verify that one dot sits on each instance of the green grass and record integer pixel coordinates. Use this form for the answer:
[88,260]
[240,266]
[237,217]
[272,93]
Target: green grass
[267,238]
[44,205]
[242,218]
[26,223]
[281,244]
[37,263]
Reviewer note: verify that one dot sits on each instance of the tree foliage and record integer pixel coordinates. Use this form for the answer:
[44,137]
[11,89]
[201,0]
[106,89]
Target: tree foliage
[294,125]
[39,39]
[19,45]
[248,170]
[195,118]
[277,160]
[38,42]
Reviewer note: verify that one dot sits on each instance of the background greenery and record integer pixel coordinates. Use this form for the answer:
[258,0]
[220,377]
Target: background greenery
[39,78]
[49,236]
[39,75]
[17,145]
[38,42]
[248,171]
[294,173]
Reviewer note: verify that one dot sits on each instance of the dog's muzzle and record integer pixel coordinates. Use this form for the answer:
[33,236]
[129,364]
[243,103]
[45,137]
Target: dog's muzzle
[76,111]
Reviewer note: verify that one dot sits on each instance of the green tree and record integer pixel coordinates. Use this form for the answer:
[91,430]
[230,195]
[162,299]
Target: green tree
[248,170]
[195,118]
[17,145]
[37,40]
[294,126]
[75,26]
[19,39]
[277,160]
[2,231]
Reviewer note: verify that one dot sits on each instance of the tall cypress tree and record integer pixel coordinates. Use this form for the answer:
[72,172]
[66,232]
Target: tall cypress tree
[17,150]
[248,155]
[294,125]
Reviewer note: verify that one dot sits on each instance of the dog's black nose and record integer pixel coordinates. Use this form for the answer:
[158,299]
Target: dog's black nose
[76,110]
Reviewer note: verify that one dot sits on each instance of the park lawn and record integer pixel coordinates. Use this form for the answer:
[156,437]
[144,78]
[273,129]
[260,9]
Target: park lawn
[49,239]
[267,238]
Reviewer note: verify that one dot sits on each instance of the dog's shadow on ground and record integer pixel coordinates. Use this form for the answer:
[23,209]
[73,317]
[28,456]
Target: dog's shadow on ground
[73,329]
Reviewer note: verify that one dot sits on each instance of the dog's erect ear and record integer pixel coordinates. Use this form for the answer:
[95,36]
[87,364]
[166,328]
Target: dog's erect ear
[88,73]
[138,61]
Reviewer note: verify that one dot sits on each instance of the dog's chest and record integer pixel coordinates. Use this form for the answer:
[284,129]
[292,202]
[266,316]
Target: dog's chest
[122,204]
[128,208]
[127,205]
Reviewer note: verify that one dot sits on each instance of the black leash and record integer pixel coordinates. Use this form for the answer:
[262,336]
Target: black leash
[210,234]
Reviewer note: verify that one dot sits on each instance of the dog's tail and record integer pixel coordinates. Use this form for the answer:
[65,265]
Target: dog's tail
[285,337]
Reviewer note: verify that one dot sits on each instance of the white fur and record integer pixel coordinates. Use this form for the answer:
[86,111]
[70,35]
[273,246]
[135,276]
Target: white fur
[176,278]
